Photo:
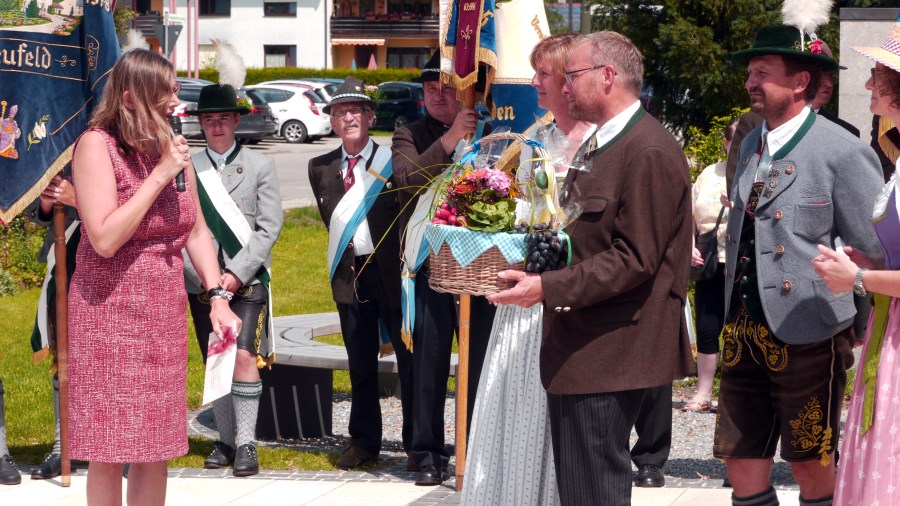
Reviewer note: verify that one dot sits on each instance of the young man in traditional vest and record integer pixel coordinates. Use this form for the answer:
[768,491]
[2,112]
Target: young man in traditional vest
[239,197]
[357,198]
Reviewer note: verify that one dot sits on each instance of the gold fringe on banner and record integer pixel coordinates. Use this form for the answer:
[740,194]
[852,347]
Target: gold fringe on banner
[38,187]
[482,55]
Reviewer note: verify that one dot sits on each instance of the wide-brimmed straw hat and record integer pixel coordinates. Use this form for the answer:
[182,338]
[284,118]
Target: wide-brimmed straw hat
[785,40]
[889,52]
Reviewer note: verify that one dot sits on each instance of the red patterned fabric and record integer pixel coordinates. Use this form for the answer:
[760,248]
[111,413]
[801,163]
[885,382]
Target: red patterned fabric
[128,331]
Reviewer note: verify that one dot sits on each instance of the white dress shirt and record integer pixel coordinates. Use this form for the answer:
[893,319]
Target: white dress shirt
[613,127]
[219,158]
[362,239]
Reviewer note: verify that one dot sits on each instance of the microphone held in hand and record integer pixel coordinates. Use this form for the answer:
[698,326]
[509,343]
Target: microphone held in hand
[175,123]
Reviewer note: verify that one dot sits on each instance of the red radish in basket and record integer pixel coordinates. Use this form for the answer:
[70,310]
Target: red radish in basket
[447,215]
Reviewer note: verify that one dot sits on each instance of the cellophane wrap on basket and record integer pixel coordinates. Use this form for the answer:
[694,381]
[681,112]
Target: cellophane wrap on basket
[474,215]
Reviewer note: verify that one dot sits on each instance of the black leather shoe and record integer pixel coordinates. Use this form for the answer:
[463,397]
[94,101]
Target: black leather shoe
[246,463]
[650,476]
[430,476]
[51,467]
[9,473]
[726,483]
[221,456]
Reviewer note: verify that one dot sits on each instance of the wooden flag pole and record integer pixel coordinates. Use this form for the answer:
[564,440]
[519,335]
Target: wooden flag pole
[462,386]
[62,338]
[462,367]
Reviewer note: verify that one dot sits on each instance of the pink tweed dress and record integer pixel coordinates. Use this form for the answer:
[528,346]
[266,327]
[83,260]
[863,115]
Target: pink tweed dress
[128,331]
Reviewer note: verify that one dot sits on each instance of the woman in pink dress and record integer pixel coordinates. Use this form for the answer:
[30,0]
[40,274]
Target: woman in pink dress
[869,473]
[127,302]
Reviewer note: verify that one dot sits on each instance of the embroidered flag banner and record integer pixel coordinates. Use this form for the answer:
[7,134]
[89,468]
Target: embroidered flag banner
[469,40]
[54,58]
[520,25]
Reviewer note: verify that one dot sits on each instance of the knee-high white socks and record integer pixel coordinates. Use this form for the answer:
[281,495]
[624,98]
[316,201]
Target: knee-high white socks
[236,413]
[4,450]
[57,448]
[246,406]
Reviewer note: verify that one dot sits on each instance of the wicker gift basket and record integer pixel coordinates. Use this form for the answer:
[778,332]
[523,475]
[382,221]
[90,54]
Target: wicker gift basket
[467,248]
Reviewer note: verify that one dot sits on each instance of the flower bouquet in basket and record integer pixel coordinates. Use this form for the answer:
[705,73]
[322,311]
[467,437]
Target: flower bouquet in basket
[484,217]
[482,200]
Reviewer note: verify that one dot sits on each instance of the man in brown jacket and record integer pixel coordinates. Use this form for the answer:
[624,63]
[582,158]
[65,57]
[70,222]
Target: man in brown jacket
[423,151]
[614,325]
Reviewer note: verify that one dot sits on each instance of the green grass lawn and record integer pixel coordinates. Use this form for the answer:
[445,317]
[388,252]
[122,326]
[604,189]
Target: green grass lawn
[299,285]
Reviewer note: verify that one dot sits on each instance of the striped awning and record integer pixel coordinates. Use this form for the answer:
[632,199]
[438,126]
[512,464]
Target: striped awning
[357,42]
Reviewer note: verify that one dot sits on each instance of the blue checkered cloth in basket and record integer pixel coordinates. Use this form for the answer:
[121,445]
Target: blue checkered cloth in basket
[467,245]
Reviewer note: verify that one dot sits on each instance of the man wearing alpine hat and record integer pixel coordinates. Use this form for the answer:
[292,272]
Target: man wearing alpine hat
[241,203]
[800,181]
[358,201]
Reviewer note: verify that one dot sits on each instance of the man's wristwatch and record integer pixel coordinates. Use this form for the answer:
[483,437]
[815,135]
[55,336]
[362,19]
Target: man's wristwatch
[858,287]
[218,293]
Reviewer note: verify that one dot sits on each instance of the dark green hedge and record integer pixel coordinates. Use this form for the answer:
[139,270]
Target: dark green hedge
[255,75]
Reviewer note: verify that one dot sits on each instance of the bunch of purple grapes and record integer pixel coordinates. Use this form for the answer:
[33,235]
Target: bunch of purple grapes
[545,250]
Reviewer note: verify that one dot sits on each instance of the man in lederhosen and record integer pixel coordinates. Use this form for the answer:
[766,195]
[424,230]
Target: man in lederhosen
[801,181]
[239,196]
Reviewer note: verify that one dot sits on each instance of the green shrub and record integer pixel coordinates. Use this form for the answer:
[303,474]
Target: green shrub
[18,257]
[704,148]
[7,284]
[257,75]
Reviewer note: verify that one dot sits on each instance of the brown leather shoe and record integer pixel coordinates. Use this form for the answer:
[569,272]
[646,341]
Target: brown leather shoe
[355,456]
[411,463]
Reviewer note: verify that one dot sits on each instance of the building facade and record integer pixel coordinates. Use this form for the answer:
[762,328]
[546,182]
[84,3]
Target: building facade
[310,34]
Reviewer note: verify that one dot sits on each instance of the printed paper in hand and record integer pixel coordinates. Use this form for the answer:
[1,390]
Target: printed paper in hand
[220,363]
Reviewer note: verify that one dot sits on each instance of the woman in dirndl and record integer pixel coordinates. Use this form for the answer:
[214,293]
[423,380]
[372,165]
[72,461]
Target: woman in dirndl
[127,302]
[510,454]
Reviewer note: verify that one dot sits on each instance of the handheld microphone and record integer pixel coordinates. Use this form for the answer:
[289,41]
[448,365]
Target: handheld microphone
[175,123]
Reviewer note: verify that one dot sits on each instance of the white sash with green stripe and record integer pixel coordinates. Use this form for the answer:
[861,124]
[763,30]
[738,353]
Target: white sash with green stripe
[350,213]
[41,322]
[227,223]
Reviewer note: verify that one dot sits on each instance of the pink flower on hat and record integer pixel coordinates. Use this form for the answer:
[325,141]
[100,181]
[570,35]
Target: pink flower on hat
[816,46]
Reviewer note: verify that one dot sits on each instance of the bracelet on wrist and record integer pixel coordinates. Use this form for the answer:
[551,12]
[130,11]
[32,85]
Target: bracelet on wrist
[218,293]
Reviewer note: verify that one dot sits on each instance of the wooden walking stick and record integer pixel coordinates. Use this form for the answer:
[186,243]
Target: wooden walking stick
[462,367]
[62,337]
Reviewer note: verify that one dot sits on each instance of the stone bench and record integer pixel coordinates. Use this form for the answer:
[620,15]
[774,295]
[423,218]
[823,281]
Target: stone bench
[297,391]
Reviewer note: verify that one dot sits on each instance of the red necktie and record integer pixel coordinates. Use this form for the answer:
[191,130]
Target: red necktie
[350,179]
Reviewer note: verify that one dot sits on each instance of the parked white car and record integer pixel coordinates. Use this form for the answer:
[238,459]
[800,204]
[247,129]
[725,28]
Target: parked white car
[299,111]
[322,88]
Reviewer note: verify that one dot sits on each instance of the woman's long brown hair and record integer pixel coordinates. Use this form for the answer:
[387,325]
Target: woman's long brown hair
[142,128]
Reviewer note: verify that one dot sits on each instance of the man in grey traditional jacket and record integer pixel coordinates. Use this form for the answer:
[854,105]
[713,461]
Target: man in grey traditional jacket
[800,181]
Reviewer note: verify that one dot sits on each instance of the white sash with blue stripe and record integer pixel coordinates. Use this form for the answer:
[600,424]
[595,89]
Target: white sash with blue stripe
[349,214]
[415,249]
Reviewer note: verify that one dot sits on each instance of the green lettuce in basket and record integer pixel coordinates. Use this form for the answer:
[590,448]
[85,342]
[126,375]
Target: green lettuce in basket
[498,217]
